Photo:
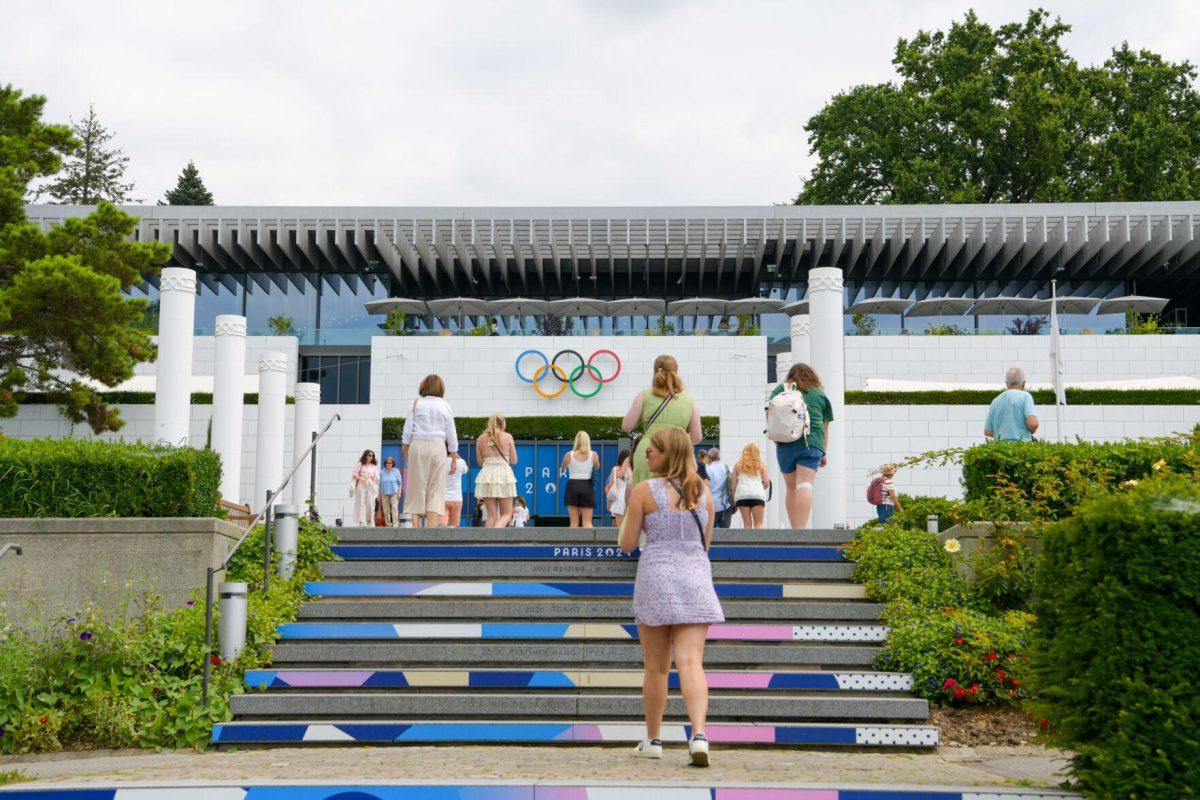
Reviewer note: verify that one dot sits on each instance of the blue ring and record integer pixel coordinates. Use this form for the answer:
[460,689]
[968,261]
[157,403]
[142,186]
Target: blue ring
[517,364]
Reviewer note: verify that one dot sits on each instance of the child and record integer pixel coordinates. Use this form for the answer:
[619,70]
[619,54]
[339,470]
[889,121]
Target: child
[520,513]
[889,498]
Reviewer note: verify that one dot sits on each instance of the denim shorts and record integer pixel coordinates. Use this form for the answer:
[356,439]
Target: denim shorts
[797,454]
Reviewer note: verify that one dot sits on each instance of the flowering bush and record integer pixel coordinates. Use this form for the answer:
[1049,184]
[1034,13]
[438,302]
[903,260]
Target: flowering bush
[1004,568]
[134,680]
[905,565]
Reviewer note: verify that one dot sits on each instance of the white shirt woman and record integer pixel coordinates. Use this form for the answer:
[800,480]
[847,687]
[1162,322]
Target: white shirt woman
[429,437]
[454,492]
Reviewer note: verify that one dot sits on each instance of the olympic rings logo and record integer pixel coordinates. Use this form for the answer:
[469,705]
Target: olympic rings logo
[550,368]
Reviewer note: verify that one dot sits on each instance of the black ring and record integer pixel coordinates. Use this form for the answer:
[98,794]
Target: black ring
[554,363]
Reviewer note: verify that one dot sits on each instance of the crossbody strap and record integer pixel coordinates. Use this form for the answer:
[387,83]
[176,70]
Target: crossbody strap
[695,516]
[661,407]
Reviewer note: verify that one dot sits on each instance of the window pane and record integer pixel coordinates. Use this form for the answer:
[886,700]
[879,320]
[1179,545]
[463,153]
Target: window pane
[364,380]
[328,379]
[347,379]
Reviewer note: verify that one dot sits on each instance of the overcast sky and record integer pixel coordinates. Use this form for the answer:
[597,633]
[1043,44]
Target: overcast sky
[624,102]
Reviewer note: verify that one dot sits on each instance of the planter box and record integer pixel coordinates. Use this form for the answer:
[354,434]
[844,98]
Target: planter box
[972,536]
[106,562]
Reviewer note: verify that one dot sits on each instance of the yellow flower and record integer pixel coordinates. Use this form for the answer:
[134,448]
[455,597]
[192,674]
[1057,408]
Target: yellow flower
[1129,484]
[1158,465]
[952,546]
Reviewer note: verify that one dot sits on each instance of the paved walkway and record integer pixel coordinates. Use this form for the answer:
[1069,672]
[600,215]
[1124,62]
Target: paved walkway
[948,766]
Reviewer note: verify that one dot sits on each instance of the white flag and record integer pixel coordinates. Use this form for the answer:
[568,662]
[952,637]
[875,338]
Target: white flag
[1057,370]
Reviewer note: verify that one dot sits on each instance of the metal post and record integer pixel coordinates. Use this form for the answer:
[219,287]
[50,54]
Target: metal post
[312,471]
[267,545]
[208,630]
[231,626]
[15,548]
[287,533]
[931,523]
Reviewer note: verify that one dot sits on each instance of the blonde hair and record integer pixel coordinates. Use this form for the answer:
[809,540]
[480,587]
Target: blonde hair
[666,377]
[495,425]
[887,470]
[583,442]
[751,461]
[678,465]
[804,377]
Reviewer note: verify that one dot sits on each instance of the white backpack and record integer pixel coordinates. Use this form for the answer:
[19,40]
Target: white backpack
[787,416]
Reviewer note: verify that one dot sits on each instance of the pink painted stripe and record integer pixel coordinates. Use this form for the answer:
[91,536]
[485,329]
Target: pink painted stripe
[750,793]
[312,679]
[739,680]
[740,734]
[581,733]
[762,632]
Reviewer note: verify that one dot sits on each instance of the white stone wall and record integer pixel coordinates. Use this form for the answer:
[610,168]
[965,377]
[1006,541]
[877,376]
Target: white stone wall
[984,359]
[204,353]
[880,434]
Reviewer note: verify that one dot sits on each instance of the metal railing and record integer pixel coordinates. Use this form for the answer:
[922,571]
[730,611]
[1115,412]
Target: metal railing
[265,514]
[15,548]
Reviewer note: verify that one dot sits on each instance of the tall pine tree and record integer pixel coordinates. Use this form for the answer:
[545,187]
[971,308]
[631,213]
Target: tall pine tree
[189,190]
[93,171]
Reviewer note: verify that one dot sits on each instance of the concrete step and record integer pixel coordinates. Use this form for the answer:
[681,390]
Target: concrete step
[401,654]
[569,552]
[625,569]
[570,732]
[493,609]
[378,589]
[524,631]
[604,536]
[551,679]
[568,705]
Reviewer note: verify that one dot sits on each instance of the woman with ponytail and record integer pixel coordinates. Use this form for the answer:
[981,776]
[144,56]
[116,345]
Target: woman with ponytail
[496,484]
[666,404]
[674,601]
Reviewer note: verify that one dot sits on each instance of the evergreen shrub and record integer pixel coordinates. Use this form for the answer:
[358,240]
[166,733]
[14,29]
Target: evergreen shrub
[90,478]
[1117,640]
[983,397]
[1048,479]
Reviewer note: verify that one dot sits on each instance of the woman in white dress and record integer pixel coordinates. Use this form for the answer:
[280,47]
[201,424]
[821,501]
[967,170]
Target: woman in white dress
[615,491]
[454,492]
[496,484]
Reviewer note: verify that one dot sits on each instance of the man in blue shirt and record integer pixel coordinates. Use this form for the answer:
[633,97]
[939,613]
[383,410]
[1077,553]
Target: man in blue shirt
[1010,417]
[718,482]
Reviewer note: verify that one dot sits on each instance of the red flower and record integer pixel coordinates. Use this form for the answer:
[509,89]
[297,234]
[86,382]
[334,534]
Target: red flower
[991,657]
[1001,674]
[950,683]
[1014,683]
[1013,693]
[959,640]
[43,720]
[1045,723]
[215,661]
[974,688]
[959,693]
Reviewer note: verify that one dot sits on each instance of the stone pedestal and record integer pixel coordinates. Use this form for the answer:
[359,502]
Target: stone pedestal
[173,381]
[272,399]
[229,386]
[306,422]
[827,357]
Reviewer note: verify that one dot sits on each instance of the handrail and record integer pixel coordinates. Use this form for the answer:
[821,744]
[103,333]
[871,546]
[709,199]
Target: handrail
[264,512]
[16,548]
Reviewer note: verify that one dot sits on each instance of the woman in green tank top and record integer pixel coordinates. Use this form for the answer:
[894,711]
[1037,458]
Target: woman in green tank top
[681,412]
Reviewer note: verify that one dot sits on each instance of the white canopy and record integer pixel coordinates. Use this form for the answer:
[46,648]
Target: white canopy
[1004,306]
[579,307]
[402,304]
[1068,305]
[518,307]
[880,305]
[753,305]
[1137,303]
[459,306]
[796,309]
[941,307]
[697,307]
[636,307]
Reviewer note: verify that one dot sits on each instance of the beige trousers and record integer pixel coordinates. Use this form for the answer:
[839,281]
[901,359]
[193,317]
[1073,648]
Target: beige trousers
[391,508]
[427,468]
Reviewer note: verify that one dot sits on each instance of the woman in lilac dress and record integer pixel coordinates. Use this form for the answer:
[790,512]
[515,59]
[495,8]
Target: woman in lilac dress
[673,599]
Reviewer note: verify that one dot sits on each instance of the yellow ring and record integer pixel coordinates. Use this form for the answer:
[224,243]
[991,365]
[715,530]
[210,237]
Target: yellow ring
[557,371]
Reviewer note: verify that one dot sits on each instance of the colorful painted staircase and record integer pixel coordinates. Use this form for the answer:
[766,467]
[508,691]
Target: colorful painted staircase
[526,636]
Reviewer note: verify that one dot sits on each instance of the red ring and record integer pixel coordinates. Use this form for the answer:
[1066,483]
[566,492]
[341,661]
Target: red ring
[616,358]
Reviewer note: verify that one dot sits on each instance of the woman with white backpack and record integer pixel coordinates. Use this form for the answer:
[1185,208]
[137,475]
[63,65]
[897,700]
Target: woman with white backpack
[798,417]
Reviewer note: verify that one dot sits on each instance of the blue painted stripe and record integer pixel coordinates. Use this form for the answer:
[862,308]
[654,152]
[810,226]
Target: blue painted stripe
[374,792]
[64,794]
[223,734]
[524,630]
[814,735]
[418,552]
[811,680]
[387,679]
[509,630]
[484,732]
[348,630]
[522,589]
[258,678]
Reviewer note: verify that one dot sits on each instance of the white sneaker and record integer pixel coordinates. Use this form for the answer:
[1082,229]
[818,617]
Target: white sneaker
[648,748]
[698,749]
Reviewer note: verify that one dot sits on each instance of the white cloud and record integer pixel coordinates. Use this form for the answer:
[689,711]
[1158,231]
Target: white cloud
[489,103]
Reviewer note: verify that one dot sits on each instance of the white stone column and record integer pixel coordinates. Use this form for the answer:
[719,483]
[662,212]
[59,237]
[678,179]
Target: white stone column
[272,399]
[229,387]
[783,362]
[306,422]
[827,357]
[173,376]
[801,339]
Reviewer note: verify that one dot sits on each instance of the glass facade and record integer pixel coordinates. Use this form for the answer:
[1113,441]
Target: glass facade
[343,378]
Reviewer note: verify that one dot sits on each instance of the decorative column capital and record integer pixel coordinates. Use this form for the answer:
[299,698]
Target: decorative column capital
[177,279]
[230,326]
[801,325]
[308,391]
[825,283]
[272,362]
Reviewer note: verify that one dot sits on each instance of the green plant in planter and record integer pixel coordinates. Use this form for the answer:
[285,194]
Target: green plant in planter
[944,330]
[1143,324]
[282,325]
[864,324]
[396,323]
[478,330]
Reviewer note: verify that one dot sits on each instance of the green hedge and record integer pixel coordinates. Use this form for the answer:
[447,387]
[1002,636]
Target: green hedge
[1047,479]
[89,478]
[1075,397]
[552,429]
[134,399]
[1118,640]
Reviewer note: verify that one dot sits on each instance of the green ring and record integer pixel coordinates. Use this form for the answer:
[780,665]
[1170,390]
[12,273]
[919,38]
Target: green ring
[577,372]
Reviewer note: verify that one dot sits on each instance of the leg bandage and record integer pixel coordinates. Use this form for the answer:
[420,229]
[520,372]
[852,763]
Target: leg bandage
[804,487]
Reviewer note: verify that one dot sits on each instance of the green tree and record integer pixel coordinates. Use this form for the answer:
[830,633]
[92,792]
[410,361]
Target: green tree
[991,115]
[93,171]
[66,325]
[189,189]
